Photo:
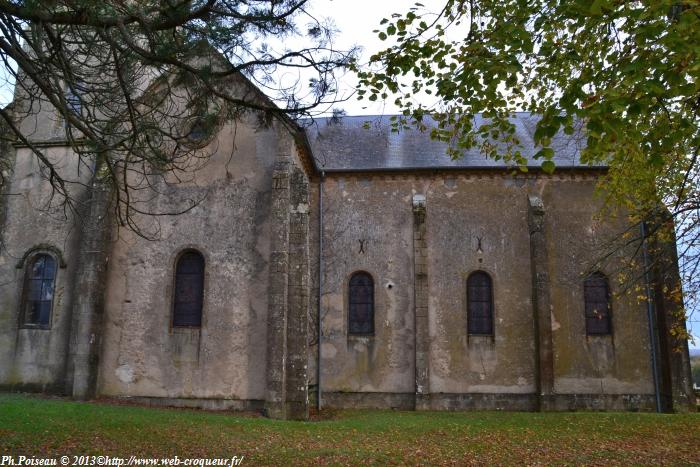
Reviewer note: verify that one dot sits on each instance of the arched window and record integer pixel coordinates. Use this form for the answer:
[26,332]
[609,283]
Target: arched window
[189,290]
[479,304]
[361,300]
[596,294]
[37,298]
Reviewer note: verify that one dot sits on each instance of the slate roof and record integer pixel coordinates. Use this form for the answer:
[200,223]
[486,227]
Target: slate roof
[346,144]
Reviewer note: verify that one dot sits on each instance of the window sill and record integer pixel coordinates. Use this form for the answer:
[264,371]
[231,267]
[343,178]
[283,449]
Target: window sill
[185,329]
[40,327]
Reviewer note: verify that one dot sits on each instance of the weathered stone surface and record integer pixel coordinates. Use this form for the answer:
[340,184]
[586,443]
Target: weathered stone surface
[143,355]
[297,397]
[541,303]
[87,327]
[419,235]
[492,401]
[422,299]
[31,358]
[575,236]
[368,226]
[475,222]
[278,308]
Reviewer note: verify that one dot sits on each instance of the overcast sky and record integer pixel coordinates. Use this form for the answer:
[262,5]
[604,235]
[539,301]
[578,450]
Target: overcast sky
[356,19]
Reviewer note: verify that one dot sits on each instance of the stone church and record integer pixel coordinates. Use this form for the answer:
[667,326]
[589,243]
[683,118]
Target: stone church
[438,284]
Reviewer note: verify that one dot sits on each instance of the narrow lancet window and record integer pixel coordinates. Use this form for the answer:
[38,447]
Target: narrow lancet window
[361,300]
[189,290]
[596,293]
[39,282]
[479,304]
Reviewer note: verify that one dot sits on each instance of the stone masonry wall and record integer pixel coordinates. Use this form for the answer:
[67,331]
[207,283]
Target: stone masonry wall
[36,222]
[224,362]
[535,235]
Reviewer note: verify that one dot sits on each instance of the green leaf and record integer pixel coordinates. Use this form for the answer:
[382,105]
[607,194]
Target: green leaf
[544,153]
[548,167]
[596,8]
[632,87]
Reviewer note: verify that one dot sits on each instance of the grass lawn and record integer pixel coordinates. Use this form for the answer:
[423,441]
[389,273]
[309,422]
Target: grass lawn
[54,427]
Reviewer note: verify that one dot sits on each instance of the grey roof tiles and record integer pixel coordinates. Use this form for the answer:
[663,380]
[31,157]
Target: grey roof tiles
[366,143]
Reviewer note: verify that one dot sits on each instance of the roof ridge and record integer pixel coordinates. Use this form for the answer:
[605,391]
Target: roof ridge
[520,112]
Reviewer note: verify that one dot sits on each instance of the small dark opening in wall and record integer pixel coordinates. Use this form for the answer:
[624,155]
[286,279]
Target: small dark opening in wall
[389,286]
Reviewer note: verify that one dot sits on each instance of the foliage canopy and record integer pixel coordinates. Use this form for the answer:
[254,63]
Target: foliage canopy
[626,71]
[123,76]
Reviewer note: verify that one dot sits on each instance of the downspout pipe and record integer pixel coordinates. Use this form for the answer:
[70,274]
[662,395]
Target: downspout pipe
[650,315]
[320,288]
